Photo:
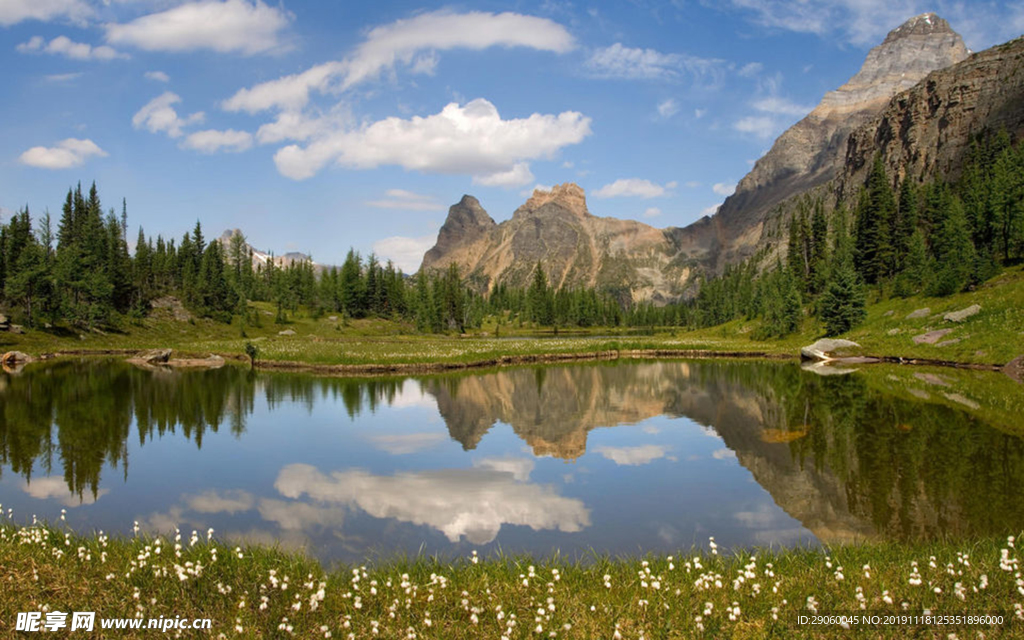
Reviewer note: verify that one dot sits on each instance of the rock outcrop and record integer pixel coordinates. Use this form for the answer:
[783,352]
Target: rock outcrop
[576,248]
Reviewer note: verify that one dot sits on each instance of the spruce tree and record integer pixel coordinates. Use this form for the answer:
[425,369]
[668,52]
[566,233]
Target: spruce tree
[842,306]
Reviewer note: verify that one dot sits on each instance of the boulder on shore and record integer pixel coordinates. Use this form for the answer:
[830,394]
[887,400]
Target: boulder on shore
[14,358]
[827,349]
[155,356]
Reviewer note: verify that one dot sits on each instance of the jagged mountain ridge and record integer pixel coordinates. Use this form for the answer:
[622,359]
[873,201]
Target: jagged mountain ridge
[659,264]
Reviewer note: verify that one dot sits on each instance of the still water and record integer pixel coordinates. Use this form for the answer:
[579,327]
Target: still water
[619,458]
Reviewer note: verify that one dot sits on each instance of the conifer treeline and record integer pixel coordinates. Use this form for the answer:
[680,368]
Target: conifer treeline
[936,239]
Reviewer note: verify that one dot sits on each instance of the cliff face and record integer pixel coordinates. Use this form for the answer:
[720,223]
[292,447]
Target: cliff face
[925,131]
[812,151]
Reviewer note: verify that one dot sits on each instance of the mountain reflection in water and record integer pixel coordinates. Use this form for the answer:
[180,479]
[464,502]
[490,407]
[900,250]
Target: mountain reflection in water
[349,466]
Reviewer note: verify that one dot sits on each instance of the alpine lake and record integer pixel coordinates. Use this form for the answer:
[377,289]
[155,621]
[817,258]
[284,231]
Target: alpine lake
[619,458]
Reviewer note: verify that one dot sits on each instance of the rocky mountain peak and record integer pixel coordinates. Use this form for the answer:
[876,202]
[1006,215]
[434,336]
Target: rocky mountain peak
[570,196]
[467,222]
[925,24]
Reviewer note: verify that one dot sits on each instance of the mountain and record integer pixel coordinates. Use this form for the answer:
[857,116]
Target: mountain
[812,151]
[262,257]
[643,262]
[576,248]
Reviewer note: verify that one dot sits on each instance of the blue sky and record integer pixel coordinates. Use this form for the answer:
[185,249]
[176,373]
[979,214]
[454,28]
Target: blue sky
[316,126]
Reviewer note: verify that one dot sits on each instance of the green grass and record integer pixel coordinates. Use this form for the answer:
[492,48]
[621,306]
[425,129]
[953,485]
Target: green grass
[257,592]
[994,336]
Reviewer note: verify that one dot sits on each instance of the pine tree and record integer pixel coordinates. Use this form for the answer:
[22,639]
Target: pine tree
[876,212]
[842,306]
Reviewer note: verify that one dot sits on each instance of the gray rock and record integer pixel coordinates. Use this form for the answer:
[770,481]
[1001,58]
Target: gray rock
[332,318]
[3,321]
[826,349]
[892,332]
[946,343]
[919,313]
[963,314]
[17,328]
[826,369]
[286,332]
[888,313]
[967,402]
[919,393]
[931,337]
[932,378]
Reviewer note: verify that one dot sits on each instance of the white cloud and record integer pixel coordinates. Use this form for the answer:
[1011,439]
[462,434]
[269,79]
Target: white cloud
[408,41]
[781,106]
[63,77]
[406,443]
[691,184]
[470,139]
[668,108]
[56,488]
[412,42]
[212,141]
[68,153]
[470,503]
[287,93]
[724,189]
[750,69]
[633,456]
[157,76]
[763,127]
[634,187]
[231,26]
[406,201]
[158,116]
[411,394]
[231,501]
[652,212]
[406,253]
[517,176]
[723,454]
[710,211]
[526,193]
[699,113]
[64,46]
[626,63]
[15,11]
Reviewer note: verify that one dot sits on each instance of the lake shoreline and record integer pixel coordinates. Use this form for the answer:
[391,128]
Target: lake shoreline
[440,366]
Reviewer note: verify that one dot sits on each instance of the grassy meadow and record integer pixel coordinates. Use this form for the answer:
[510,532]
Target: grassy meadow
[261,592]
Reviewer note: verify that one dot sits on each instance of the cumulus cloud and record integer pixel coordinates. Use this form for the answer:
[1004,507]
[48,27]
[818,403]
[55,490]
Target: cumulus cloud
[471,139]
[471,503]
[517,176]
[668,108]
[56,488]
[724,189]
[231,26]
[710,211]
[406,253]
[64,46]
[406,201]
[157,76]
[158,116]
[68,153]
[723,454]
[626,63]
[634,187]
[212,141]
[633,456]
[652,212]
[413,43]
[15,11]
